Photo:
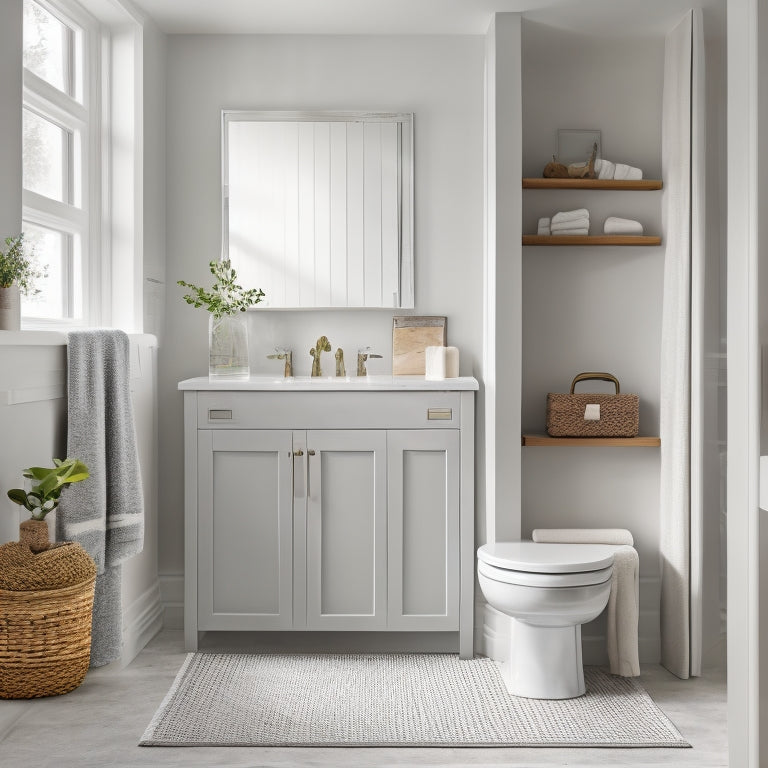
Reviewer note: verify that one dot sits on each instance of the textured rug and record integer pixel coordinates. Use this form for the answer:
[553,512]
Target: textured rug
[392,700]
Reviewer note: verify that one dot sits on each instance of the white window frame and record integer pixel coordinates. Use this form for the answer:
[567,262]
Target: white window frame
[81,114]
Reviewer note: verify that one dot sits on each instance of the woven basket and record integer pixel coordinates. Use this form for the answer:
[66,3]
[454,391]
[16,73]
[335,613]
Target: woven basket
[46,602]
[45,640]
[616,415]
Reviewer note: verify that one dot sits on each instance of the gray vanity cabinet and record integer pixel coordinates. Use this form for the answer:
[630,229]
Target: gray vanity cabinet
[423,529]
[346,530]
[327,510]
[245,557]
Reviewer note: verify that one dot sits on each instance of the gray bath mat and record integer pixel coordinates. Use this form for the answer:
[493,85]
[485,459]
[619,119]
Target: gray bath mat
[392,700]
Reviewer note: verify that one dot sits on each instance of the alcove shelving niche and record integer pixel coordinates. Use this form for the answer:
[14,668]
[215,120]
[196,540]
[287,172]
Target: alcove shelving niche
[617,185]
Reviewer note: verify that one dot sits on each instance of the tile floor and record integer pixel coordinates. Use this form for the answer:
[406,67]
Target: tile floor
[100,723]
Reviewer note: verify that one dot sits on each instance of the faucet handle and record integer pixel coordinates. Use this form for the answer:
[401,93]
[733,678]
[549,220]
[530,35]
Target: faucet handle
[283,353]
[363,355]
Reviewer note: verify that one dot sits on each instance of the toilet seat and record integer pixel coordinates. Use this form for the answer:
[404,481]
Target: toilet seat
[535,557]
[554,580]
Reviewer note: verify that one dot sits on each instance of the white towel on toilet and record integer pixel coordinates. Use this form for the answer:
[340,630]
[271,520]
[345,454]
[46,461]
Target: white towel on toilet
[623,610]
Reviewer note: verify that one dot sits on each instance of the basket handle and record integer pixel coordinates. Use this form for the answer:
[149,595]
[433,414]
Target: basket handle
[594,375]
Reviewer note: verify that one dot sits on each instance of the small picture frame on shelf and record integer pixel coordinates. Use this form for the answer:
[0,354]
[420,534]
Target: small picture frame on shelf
[575,145]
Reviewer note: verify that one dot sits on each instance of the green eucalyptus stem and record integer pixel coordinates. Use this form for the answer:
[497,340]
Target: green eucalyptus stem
[225,297]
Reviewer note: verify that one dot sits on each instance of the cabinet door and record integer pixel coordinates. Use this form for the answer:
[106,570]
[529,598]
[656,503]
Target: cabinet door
[346,529]
[423,529]
[244,529]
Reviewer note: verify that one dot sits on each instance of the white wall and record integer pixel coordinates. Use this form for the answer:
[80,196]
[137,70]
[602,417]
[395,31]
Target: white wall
[440,79]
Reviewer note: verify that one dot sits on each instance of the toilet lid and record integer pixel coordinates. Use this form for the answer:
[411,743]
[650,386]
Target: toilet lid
[534,557]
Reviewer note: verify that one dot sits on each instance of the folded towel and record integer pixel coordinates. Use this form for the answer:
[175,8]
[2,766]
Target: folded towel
[573,231]
[583,536]
[572,224]
[543,228]
[579,213]
[627,172]
[623,611]
[616,226]
[604,169]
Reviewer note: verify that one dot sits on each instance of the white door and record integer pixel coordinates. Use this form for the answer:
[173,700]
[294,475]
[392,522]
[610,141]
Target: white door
[346,529]
[245,575]
[423,529]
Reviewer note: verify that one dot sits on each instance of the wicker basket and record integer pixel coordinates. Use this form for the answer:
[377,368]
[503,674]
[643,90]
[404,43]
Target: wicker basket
[45,640]
[593,415]
[46,603]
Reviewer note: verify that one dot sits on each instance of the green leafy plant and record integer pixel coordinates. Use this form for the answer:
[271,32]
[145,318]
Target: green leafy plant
[50,482]
[225,297]
[18,267]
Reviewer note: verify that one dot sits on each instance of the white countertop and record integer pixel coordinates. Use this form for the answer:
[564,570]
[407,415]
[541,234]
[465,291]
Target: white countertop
[333,383]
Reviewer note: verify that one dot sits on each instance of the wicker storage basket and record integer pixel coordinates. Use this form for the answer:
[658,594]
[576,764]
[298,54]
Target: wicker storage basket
[592,414]
[45,634]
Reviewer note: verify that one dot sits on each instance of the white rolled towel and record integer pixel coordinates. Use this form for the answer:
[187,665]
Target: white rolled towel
[604,169]
[543,228]
[623,171]
[617,226]
[572,224]
[583,536]
[623,611]
[574,231]
[579,213]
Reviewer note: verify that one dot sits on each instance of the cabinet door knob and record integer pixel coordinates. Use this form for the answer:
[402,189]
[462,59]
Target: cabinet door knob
[311,452]
[298,453]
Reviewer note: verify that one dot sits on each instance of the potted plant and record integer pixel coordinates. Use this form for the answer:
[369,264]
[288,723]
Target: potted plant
[43,497]
[227,330]
[18,273]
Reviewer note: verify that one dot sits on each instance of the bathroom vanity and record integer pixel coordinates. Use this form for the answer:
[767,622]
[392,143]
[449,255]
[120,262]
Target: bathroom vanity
[329,504]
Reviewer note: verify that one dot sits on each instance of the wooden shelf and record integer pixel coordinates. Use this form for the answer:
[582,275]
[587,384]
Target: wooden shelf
[573,442]
[643,185]
[591,240]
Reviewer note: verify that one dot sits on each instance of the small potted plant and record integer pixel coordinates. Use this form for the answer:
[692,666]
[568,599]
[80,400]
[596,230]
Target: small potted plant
[43,497]
[227,330]
[18,273]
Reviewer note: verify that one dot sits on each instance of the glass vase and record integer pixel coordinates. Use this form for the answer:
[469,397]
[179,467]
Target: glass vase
[228,347]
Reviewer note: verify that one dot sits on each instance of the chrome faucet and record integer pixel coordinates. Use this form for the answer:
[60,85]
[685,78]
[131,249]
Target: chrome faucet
[341,369]
[323,345]
[362,356]
[284,354]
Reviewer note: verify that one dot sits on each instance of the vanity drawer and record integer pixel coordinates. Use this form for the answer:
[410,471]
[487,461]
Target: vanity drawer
[328,410]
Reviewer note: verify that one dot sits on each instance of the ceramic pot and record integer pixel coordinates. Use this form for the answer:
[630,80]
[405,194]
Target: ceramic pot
[34,533]
[228,347]
[10,309]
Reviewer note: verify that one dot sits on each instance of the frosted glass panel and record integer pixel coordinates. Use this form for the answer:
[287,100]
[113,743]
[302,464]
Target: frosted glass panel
[317,207]
[45,157]
[48,46]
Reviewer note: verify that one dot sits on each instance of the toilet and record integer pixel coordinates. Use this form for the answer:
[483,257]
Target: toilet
[549,591]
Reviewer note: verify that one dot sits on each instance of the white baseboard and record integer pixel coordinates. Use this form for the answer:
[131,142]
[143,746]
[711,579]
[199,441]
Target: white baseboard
[172,596]
[142,620]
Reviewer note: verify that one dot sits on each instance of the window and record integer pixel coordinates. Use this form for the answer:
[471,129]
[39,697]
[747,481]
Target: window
[61,161]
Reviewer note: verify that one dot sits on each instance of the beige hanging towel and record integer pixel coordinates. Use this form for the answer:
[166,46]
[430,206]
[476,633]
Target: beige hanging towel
[623,611]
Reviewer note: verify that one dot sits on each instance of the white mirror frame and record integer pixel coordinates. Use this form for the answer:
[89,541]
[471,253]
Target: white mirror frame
[327,241]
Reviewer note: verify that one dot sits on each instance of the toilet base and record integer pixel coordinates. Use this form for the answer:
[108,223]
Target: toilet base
[544,662]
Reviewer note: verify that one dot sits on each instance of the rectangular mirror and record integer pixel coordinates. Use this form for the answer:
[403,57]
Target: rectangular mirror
[318,206]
